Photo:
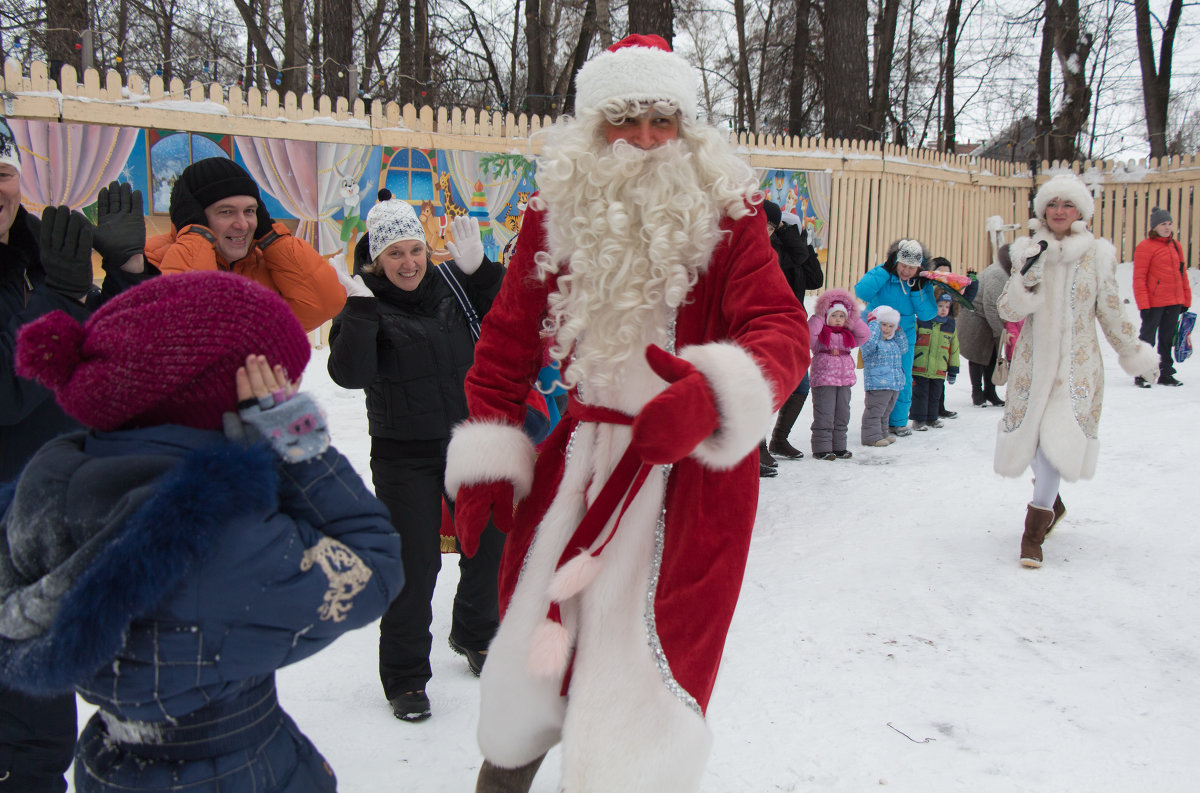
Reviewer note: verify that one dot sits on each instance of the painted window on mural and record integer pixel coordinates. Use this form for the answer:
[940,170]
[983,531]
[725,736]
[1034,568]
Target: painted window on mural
[170,153]
[409,174]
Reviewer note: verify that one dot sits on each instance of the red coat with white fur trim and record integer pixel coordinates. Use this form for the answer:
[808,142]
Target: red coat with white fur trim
[742,327]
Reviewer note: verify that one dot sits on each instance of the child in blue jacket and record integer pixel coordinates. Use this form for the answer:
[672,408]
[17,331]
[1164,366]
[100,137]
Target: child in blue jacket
[883,356]
[200,535]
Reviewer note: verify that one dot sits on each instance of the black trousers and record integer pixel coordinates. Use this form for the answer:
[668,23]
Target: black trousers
[37,741]
[926,396]
[981,377]
[1162,322]
[411,488]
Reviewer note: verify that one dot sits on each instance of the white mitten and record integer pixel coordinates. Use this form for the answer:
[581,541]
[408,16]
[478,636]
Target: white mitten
[354,286]
[467,247]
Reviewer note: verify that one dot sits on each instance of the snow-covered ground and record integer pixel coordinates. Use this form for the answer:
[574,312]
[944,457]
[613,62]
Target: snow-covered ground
[887,637]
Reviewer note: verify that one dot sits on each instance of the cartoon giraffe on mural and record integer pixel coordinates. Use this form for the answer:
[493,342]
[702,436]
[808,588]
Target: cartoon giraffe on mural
[449,207]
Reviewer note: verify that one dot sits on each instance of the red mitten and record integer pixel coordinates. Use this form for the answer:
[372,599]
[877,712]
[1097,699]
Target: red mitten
[474,505]
[675,422]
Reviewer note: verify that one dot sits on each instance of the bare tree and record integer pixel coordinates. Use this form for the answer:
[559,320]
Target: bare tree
[65,21]
[953,12]
[885,45]
[1156,79]
[1063,35]
[846,67]
[744,112]
[536,92]
[797,115]
[652,16]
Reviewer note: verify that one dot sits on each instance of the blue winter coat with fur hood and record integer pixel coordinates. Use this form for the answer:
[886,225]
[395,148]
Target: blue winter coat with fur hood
[166,573]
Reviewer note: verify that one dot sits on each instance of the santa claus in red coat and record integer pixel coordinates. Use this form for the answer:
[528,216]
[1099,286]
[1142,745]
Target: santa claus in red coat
[645,267]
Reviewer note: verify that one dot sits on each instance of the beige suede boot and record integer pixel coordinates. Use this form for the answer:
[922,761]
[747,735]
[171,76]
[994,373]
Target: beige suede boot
[1037,522]
[494,779]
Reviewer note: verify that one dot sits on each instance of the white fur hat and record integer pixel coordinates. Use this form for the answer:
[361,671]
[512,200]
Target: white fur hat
[391,220]
[637,67]
[9,153]
[887,314]
[1067,186]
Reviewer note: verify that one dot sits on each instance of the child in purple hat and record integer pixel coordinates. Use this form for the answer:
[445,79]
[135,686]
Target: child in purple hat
[200,535]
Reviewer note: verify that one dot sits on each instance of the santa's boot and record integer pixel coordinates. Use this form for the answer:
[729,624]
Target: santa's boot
[1037,523]
[494,779]
[783,427]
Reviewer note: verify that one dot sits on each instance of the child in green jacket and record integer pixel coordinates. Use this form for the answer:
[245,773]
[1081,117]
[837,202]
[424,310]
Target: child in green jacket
[935,363]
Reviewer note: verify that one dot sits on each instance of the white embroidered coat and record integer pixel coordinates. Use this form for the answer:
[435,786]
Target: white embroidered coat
[1056,385]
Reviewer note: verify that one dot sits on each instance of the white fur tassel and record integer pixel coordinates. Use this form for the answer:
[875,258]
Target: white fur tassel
[574,576]
[549,650]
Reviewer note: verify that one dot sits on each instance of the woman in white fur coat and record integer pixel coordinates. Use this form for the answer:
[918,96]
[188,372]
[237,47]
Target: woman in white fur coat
[1063,280]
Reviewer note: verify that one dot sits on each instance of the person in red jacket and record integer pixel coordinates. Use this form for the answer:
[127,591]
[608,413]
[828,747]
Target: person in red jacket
[219,223]
[1162,291]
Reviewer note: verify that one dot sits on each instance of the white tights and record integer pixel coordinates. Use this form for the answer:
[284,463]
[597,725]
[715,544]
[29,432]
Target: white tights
[1046,480]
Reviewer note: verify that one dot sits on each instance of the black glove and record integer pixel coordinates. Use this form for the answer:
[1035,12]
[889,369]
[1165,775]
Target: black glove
[66,251]
[185,209]
[120,227]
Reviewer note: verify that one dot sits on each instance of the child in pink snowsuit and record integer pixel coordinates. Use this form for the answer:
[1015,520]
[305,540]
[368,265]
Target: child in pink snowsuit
[835,329]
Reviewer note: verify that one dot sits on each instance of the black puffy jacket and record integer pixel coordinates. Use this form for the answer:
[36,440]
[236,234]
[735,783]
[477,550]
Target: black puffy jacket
[410,351]
[798,259]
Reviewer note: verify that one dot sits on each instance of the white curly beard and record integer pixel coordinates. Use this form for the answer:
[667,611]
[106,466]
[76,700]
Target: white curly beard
[629,231]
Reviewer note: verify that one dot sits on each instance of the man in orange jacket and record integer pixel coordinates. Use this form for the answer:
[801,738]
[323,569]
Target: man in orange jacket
[220,223]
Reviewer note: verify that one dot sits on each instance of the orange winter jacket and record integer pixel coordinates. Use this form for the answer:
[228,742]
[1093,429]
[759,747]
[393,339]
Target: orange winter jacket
[1159,278]
[284,264]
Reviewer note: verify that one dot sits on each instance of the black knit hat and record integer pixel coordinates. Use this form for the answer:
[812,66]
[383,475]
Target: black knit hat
[215,178]
[774,213]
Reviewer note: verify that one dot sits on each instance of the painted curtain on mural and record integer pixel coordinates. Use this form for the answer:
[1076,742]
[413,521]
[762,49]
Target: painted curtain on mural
[307,179]
[805,193]
[68,163]
[495,190]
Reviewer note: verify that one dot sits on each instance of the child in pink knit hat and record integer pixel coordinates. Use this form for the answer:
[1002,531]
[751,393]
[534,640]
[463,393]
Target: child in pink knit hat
[164,563]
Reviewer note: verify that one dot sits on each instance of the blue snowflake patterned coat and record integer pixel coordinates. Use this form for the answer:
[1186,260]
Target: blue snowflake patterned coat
[883,359]
[166,574]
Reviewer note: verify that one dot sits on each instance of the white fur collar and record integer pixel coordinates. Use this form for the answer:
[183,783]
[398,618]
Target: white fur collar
[1070,248]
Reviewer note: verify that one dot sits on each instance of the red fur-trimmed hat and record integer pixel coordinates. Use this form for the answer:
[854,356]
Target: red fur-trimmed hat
[638,67]
[165,352]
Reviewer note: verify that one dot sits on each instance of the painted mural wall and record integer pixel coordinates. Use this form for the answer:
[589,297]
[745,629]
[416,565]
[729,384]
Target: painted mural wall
[326,189]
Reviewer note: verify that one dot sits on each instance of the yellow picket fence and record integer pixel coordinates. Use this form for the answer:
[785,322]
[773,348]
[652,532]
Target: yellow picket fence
[880,192]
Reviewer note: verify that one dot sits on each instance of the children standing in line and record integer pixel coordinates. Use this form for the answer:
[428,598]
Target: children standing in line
[835,329]
[935,362]
[883,374]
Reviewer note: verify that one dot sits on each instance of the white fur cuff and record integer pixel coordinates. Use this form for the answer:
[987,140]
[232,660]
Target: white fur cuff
[744,402]
[490,451]
[1139,362]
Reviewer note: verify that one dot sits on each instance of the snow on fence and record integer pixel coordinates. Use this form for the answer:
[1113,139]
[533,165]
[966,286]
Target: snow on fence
[877,193]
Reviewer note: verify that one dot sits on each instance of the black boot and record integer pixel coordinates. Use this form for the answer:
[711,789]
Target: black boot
[494,779]
[783,427]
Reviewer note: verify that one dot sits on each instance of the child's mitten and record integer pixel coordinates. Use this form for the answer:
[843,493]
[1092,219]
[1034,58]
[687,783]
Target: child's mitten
[295,427]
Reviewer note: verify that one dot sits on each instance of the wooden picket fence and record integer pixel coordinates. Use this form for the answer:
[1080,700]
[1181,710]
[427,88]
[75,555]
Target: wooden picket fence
[880,192]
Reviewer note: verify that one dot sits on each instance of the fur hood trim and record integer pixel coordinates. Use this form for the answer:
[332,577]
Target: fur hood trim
[889,261]
[172,532]
[831,296]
